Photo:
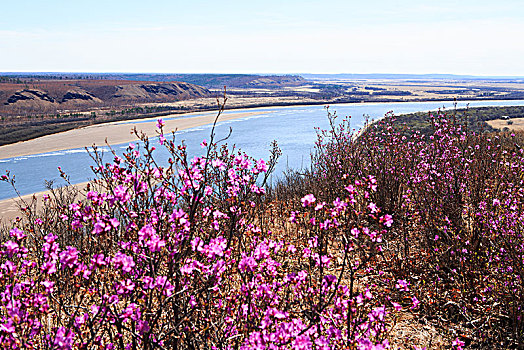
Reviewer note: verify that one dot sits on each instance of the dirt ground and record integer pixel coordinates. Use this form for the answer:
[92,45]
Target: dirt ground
[511,124]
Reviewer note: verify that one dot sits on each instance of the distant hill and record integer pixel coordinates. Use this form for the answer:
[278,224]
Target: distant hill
[218,81]
[50,96]
[214,81]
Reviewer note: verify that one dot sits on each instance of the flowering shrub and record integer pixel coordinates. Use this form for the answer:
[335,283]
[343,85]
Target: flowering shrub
[201,253]
[456,202]
[190,255]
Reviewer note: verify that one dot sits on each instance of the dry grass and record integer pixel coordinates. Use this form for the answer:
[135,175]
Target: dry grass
[514,124]
[408,332]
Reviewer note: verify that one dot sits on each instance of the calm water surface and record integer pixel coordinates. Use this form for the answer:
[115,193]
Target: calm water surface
[292,127]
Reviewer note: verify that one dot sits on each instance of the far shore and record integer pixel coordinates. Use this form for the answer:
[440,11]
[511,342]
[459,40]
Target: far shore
[113,133]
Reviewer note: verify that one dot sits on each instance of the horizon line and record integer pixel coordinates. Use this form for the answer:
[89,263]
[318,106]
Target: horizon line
[273,74]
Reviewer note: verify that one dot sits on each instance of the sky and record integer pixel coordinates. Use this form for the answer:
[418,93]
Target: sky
[474,37]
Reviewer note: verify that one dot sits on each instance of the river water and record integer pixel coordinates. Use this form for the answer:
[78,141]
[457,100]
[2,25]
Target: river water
[292,127]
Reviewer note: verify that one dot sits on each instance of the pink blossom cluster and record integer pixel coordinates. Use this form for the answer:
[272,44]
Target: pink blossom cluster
[453,201]
[188,255]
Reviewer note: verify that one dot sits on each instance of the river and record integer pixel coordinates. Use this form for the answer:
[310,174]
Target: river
[292,127]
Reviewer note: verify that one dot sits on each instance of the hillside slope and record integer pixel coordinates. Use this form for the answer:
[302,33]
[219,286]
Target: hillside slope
[59,95]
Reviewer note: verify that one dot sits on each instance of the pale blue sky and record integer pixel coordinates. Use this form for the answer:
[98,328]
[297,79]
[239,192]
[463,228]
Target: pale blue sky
[273,36]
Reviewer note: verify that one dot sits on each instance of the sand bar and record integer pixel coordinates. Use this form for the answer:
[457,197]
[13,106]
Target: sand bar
[115,133]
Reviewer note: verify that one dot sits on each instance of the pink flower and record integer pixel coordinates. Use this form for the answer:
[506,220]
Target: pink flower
[123,261]
[163,283]
[146,232]
[99,227]
[8,328]
[247,263]
[49,267]
[131,311]
[261,166]
[155,244]
[368,294]
[359,299]
[339,205]
[159,124]
[320,206]
[351,189]
[292,217]
[302,275]
[397,306]
[217,163]
[69,257]
[387,220]
[80,320]
[126,286]
[114,222]
[330,279]
[63,339]
[373,208]
[49,286]
[148,282]
[257,190]
[415,302]
[216,247]
[325,260]
[280,315]
[458,344]
[17,233]
[142,327]
[402,285]
[113,300]
[98,260]
[11,248]
[306,253]
[307,200]
[302,342]
[121,194]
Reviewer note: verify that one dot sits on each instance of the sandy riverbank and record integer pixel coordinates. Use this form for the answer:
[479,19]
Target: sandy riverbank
[115,133]
[10,208]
